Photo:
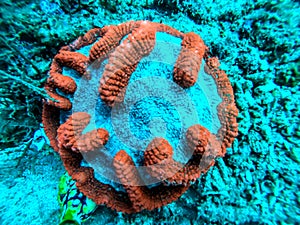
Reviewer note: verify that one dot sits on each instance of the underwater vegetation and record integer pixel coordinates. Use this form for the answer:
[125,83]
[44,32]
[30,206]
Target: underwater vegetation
[257,43]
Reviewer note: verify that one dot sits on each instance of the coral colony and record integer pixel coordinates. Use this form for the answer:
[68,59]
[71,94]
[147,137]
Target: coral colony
[117,52]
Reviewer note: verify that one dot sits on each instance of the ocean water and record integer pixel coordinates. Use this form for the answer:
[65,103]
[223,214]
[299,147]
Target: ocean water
[258,46]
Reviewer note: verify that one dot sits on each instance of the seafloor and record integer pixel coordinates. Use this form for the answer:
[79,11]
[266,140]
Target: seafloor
[258,44]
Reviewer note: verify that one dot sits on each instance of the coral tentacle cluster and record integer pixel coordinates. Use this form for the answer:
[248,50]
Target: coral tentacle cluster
[189,61]
[123,47]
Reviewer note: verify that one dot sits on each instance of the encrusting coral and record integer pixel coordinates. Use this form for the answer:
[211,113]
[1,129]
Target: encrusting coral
[69,134]
[188,63]
[123,61]
[174,178]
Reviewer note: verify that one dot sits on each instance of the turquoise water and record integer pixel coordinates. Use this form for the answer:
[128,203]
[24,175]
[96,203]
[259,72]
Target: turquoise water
[257,43]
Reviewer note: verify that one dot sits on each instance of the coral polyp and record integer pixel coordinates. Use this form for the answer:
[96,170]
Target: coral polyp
[84,132]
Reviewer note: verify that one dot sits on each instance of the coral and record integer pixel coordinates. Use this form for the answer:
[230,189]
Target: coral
[69,134]
[188,63]
[172,177]
[73,60]
[111,39]
[88,38]
[161,165]
[123,61]
[227,110]
[141,196]
[256,42]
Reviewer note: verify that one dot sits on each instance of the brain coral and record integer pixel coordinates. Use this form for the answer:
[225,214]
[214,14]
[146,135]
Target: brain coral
[127,162]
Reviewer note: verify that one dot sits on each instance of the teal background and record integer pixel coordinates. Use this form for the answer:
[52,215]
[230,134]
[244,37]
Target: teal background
[257,43]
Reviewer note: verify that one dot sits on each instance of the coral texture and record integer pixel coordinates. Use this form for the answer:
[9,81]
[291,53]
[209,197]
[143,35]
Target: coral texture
[123,61]
[69,134]
[189,61]
[173,177]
